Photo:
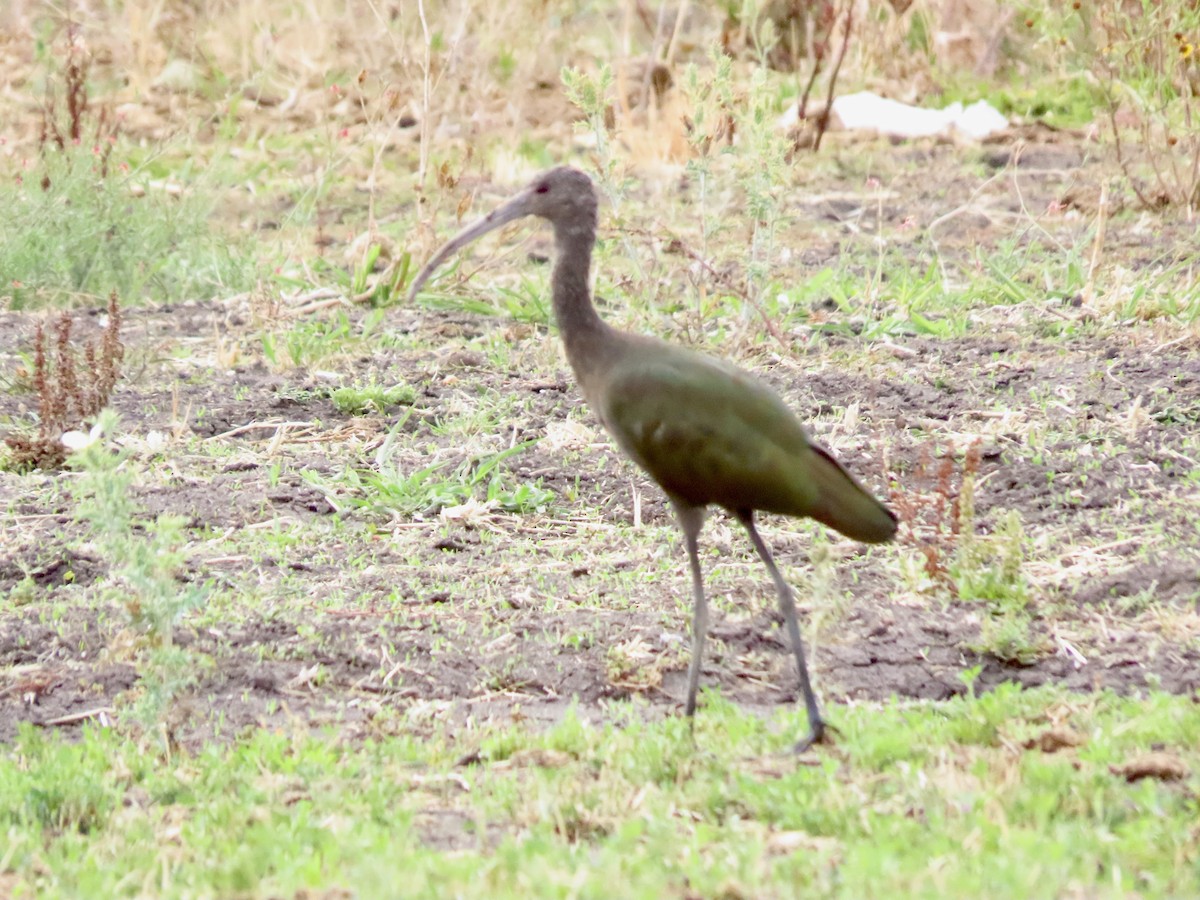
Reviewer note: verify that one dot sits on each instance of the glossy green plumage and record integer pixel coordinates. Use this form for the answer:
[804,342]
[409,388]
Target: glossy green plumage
[712,434]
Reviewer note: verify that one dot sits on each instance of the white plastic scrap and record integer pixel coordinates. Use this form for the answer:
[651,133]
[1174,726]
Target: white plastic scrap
[866,111]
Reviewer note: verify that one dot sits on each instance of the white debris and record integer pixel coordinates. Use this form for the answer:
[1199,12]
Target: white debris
[866,111]
[568,435]
[77,440]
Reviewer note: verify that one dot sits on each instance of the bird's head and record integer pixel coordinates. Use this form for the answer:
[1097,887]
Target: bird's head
[563,196]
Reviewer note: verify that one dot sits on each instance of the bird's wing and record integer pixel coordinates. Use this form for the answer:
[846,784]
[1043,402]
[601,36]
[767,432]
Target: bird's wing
[708,432]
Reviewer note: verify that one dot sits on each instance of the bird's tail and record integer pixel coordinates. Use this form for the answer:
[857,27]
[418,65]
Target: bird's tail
[847,506]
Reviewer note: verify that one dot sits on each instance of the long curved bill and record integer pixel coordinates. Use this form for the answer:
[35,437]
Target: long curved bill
[513,209]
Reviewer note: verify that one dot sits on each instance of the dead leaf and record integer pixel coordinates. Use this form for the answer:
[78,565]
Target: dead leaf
[1156,764]
[1054,739]
[568,435]
[536,758]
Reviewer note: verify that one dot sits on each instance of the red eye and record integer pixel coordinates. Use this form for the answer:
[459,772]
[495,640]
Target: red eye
[542,188]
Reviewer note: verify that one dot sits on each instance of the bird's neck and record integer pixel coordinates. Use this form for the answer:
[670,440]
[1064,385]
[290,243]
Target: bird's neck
[588,340]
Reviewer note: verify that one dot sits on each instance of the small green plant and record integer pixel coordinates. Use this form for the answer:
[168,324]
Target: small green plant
[313,342]
[390,490]
[524,303]
[362,271]
[590,94]
[376,276]
[992,572]
[761,171]
[505,675]
[711,102]
[166,672]
[526,497]
[968,677]
[316,341]
[149,563]
[1006,635]
[371,397]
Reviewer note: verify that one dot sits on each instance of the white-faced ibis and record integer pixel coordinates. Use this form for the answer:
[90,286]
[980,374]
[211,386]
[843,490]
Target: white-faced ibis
[706,431]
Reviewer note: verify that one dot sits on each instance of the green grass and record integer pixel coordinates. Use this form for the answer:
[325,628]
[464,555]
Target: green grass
[1066,101]
[86,234]
[320,341]
[397,487]
[914,801]
[371,397]
[528,302]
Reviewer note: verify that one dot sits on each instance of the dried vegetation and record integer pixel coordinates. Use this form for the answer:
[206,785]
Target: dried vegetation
[71,383]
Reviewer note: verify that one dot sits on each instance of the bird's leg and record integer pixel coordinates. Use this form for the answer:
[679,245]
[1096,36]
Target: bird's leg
[690,520]
[787,606]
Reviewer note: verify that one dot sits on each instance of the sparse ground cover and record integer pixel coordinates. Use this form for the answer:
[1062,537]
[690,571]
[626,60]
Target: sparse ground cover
[353,597]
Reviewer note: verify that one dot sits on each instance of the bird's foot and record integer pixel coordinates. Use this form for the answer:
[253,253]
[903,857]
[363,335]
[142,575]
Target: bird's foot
[820,732]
